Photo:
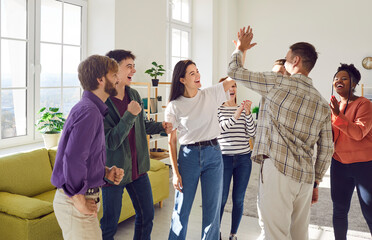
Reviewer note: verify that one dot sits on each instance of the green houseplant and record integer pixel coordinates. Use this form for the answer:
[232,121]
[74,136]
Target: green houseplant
[50,124]
[155,71]
[255,110]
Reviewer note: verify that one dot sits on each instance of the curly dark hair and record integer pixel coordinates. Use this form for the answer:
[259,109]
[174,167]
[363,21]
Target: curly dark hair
[353,72]
[354,75]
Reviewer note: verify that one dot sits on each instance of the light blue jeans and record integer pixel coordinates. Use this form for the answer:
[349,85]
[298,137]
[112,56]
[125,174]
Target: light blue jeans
[194,162]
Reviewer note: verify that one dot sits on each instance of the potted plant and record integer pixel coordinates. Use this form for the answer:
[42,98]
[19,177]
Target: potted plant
[154,72]
[50,124]
[255,110]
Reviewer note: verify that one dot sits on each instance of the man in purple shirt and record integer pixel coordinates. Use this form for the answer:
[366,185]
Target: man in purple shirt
[79,169]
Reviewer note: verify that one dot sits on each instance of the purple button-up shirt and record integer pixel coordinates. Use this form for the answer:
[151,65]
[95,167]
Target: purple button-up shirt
[81,156]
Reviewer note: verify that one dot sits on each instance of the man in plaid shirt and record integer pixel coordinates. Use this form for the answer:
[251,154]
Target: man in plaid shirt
[293,119]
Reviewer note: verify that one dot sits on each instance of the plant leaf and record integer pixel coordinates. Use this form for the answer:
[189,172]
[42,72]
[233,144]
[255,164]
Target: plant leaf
[42,110]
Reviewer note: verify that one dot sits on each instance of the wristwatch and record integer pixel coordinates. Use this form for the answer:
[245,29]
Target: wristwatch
[316,184]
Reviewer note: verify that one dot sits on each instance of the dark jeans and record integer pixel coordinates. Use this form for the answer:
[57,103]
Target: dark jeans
[344,178]
[141,196]
[239,168]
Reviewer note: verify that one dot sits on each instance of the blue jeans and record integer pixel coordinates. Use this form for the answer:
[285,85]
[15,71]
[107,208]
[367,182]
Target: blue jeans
[239,168]
[194,162]
[141,196]
[344,178]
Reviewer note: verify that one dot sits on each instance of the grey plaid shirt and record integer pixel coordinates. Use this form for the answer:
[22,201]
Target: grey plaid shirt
[294,117]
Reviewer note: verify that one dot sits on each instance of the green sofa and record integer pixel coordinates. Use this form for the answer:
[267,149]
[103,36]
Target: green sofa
[26,195]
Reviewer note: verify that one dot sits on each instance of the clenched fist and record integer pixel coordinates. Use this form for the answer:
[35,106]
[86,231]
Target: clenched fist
[168,127]
[134,108]
[114,174]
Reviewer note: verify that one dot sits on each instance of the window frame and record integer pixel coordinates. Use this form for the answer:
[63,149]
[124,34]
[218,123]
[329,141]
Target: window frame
[33,69]
[179,25]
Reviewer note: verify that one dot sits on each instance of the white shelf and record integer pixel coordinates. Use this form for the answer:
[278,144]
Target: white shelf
[158,113]
[157,137]
[160,86]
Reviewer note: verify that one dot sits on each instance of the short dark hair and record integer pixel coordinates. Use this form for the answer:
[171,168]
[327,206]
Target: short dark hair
[307,52]
[353,72]
[93,68]
[120,54]
[279,62]
[178,88]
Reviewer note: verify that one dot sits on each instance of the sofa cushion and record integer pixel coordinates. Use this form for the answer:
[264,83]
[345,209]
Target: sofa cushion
[52,155]
[24,207]
[26,173]
[156,165]
[47,196]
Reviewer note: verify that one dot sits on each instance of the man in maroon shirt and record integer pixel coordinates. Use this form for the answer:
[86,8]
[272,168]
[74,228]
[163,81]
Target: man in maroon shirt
[125,130]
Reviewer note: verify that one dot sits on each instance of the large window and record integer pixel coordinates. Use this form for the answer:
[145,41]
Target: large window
[179,32]
[42,43]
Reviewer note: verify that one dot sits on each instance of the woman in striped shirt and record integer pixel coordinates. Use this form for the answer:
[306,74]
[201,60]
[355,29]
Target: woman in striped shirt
[237,127]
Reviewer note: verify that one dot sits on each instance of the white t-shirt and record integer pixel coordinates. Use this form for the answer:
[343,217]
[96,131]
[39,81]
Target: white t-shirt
[196,118]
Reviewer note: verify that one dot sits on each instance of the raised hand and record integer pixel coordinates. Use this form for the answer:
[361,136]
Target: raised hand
[168,127]
[238,112]
[335,107]
[245,37]
[134,108]
[247,106]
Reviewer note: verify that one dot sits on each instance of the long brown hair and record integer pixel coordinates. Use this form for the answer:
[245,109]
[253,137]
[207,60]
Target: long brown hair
[178,88]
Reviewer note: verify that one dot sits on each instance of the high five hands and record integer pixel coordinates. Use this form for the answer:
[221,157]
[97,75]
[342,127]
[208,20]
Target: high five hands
[245,37]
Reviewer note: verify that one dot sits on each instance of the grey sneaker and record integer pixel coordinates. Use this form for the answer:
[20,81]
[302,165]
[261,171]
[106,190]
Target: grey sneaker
[233,237]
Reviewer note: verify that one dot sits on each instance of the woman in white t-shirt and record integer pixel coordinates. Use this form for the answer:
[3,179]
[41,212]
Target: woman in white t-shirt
[193,113]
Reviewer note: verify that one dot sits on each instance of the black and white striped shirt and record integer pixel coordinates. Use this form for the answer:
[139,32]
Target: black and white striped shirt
[234,138]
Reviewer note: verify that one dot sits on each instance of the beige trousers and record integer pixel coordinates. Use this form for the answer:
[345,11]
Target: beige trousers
[283,205]
[75,225]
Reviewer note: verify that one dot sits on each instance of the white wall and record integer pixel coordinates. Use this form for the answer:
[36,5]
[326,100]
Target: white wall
[227,29]
[141,27]
[202,39]
[101,26]
[339,29]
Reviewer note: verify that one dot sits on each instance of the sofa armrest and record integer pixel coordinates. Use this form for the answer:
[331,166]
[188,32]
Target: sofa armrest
[156,165]
[24,207]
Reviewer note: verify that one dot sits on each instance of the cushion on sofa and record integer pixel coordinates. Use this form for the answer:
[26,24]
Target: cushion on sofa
[52,155]
[155,165]
[26,173]
[24,207]
[47,196]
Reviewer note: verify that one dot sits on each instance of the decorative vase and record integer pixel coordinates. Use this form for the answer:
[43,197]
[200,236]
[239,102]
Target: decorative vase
[51,139]
[155,82]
